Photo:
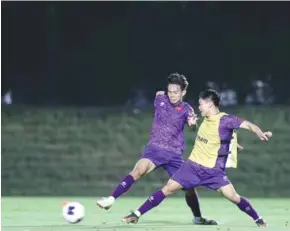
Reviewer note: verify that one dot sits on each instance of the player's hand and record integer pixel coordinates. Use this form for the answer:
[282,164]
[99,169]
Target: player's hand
[240,148]
[192,119]
[265,135]
[160,93]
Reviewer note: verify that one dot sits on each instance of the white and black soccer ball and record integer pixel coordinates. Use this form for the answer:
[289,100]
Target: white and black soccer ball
[73,212]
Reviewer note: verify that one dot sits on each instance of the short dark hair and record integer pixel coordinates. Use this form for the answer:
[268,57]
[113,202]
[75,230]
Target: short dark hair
[211,94]
[178,79]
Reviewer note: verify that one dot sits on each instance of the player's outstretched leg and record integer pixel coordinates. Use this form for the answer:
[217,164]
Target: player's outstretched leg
[154,200]
[142,167]
[243,204]
[192,201]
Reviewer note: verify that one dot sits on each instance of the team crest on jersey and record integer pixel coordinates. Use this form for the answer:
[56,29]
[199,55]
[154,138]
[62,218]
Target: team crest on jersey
[161,104]
[178,108]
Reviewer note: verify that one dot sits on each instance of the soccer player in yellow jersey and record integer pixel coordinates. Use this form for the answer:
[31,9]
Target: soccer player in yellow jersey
[165,146]
[207,161]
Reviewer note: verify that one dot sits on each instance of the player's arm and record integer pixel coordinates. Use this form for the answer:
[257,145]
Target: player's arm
[191,118]
[240,148]
[160,93]
[159,96]
[255,129]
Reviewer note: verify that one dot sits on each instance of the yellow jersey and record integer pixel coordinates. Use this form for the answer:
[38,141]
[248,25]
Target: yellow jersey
[214,140]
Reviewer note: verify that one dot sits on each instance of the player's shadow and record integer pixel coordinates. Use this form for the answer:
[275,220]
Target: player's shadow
[65,227]
[164,222]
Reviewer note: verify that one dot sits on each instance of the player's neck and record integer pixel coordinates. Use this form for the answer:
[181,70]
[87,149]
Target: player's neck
[213,112]
[176,104]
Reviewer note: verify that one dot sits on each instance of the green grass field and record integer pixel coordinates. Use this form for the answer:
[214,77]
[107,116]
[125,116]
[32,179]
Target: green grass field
[44,214]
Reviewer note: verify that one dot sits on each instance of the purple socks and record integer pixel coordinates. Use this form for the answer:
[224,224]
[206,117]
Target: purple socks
[123,187]
[154,200]
[246,207]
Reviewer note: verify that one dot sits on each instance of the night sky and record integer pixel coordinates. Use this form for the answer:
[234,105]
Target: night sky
[96,52]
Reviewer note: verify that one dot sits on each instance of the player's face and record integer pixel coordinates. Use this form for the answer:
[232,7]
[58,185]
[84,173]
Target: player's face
[175,93]
[204,106]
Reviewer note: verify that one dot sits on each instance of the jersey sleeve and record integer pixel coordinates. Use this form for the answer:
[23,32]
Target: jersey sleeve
[159,99]
[189,112]
[232,122]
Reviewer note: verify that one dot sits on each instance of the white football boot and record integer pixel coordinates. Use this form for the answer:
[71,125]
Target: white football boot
[106,202]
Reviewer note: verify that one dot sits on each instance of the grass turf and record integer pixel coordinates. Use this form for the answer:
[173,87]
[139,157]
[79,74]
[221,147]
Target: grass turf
[44,214]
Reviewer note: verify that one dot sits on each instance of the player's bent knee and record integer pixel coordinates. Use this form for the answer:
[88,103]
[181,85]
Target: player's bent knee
[142,167]
[171,187]
[230,193]
[167,190]
[138,172]
[235,198]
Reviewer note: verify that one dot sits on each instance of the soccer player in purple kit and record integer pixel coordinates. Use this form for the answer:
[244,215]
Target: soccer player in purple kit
[166,144]
[207,161]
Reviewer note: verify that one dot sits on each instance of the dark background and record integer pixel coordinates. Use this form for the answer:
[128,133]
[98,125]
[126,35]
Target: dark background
[95,53]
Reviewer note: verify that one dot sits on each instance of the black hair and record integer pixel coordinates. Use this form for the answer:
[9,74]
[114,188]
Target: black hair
[178,79]
[211,94]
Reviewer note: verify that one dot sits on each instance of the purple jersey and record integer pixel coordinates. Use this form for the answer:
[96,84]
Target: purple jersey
[168,125]
[227,124]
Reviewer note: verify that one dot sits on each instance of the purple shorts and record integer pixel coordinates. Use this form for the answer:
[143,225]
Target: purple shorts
[169,161]
[192,175]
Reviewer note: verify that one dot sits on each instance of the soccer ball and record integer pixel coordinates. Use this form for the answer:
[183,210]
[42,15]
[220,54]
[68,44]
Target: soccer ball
[73,212]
